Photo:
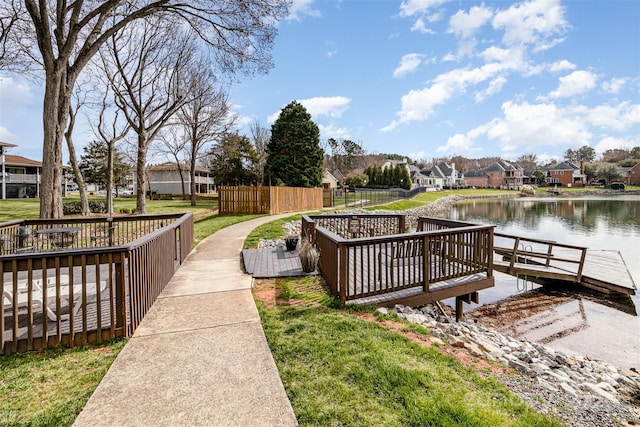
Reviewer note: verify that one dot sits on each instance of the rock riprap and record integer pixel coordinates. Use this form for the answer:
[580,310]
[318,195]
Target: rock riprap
[590,391]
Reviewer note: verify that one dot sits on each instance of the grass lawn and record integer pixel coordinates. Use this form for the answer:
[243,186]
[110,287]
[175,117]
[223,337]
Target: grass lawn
[339,369]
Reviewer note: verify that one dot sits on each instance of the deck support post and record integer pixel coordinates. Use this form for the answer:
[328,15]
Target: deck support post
[459,308]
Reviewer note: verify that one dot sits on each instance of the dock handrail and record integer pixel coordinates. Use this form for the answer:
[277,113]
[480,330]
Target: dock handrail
[381,263]
[546,255]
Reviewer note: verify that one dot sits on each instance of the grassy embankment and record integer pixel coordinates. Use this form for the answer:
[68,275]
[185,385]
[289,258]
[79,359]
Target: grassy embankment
[337,368]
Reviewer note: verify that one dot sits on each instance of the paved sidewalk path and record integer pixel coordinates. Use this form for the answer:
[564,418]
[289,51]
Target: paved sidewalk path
[200,356]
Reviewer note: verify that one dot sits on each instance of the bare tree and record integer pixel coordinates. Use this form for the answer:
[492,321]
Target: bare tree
[146,67]
[73,159]
[205,117]
[9,15]
[109,134]
[61,37]
[173,145]
[260,137]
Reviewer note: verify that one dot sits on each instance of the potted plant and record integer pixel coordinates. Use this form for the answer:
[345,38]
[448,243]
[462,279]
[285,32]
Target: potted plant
[291,242]
[309,257]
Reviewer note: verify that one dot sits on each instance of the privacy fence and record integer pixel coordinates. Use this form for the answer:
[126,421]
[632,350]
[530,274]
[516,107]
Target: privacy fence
[267,200]
[85,280]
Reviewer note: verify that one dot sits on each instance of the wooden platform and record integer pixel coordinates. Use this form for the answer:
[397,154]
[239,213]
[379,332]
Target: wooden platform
[604,271]
[271,262]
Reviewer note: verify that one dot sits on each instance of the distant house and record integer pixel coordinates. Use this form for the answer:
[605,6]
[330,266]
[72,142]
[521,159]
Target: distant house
[566,173]
[505,175]
[165,179]
[332,179]
[418,179]
[632,176]
[477,178]
[447,175]
[21,177]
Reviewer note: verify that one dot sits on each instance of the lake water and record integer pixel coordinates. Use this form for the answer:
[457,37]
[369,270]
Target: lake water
[578,325]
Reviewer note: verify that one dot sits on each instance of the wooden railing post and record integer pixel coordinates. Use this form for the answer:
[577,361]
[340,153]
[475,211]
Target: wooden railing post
[342,268]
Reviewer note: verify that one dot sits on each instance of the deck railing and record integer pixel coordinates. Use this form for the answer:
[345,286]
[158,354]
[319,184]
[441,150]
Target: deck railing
[359,267]
[87,291]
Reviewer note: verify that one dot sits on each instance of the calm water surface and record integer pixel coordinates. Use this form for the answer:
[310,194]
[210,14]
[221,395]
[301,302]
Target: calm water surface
[579,326]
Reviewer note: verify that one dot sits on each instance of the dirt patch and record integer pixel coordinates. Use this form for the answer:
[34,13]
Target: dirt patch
[265,290]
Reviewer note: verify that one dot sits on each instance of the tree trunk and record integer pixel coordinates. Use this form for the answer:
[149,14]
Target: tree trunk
[141,203]
[110,154]
[76,172]
[54,115]
[192,173]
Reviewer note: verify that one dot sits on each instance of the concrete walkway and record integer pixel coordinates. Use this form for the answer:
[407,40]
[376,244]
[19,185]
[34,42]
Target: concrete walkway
[200,356]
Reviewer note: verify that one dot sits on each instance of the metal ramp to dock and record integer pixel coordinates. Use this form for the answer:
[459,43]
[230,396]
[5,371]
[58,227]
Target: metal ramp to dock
[545,261]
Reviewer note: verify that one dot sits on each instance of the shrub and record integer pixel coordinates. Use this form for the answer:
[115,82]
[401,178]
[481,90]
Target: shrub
[74,207]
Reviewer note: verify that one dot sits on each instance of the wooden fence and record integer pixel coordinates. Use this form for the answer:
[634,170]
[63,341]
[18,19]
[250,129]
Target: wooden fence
[267,200]
[360,267]
[95,287]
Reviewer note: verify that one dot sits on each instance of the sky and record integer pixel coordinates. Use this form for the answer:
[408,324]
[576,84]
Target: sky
[434,78]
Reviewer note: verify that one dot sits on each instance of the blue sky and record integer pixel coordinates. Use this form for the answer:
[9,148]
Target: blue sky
[435,78]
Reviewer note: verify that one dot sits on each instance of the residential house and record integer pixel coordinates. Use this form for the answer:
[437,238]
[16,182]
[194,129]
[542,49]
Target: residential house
[418,179]
[632,175]
[445,176]
[567,174]
[477,178]
[332,178]
[19,176]
[505,175]
[165,179]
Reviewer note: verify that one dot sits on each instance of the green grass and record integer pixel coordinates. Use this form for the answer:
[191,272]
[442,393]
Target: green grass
[50,388]
[340,370]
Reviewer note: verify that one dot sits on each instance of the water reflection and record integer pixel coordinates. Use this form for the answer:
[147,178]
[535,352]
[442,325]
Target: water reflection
[584,215]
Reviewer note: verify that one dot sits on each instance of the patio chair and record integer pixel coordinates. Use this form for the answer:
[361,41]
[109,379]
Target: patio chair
[22,299]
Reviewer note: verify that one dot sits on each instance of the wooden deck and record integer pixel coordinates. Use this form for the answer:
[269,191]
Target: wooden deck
[271,262]
[545,262]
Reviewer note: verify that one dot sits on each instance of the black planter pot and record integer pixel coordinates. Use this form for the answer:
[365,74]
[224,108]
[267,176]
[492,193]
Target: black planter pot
[291,242]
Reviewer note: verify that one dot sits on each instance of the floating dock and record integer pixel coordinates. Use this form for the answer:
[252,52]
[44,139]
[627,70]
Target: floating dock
[544,261]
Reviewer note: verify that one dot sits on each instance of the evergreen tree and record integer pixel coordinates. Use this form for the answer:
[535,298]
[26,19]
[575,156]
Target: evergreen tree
[234,161]
[294,156]
[93,165]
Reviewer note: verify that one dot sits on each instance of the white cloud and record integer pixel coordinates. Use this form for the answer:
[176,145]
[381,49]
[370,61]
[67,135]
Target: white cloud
[495,86]
[7,136]
[618,118]
[533,125]
[301,8]
[575,83]
[420,104]
[408,64]
[421,27]
[332,131]
[611,143]
[613,86]
[531,22]
[563,65]
[14,93]
[413,7]
[464,24]
[330,106]
[457,144]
